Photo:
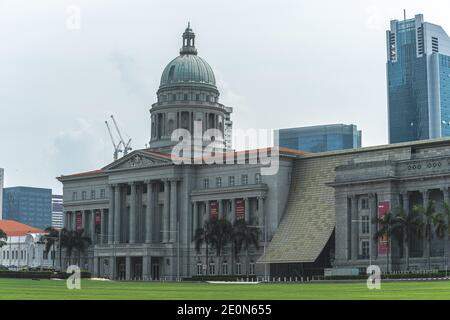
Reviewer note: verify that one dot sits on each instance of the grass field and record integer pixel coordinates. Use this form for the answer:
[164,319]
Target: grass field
[92,289]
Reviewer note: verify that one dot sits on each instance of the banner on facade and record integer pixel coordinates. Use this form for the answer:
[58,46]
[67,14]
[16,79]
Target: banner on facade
[383,208]
[78,221]
[98,221]
[213,210]
[240,209]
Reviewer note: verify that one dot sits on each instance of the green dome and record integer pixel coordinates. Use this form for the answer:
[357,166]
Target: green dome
[188,69]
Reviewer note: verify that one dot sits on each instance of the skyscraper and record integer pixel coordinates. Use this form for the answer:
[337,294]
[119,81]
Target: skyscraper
[321,138]
[31,206]
[57,211]
[418,75]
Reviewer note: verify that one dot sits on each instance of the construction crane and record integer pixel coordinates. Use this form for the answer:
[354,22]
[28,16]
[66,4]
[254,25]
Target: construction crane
[117,149]
[126,146]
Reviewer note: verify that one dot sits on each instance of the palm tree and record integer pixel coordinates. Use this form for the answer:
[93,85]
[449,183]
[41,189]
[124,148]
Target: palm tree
[442,227]
[3,238]
[220,236]
[203,236]
[50,239]
[245,236]
[75,240]
[386,226]
[409,226]
[81,244]
[429,219]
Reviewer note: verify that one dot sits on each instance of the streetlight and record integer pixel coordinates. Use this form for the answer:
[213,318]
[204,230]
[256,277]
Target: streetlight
[370,237]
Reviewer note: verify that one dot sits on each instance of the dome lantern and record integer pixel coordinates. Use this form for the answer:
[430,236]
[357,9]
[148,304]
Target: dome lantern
[188,41]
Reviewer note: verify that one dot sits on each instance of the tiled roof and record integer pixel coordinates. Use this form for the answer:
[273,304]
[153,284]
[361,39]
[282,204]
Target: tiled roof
[14,228]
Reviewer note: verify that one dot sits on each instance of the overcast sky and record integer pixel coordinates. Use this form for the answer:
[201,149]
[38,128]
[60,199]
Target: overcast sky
[277,63]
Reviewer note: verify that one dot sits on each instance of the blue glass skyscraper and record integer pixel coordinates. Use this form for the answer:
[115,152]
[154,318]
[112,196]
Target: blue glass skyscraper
[31,206]
[321,138]
[418,75]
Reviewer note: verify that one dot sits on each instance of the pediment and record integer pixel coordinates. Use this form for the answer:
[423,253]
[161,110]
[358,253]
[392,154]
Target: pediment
[138,159]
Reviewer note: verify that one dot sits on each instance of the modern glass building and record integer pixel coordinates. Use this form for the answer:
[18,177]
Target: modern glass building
[418,75]
[31,206]
[321,138]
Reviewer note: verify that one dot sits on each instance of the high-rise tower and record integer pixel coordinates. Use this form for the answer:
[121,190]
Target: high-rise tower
[418,75]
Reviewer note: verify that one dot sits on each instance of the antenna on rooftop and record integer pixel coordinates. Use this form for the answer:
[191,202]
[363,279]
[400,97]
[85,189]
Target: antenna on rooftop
[404,14]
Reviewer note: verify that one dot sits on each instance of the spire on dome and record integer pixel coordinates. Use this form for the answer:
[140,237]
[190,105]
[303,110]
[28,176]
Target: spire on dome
[188,41]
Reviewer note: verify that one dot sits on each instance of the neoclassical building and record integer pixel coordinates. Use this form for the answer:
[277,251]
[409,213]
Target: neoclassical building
[142,210]
[314,212]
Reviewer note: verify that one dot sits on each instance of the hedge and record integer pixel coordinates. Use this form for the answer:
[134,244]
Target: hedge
[221,278]
[39,274]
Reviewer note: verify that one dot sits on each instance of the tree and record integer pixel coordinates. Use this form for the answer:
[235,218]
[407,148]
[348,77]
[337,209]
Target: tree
[429,218]
[3,238]
[409,226]
[203,236]
[245,236]
[50,238]
[75,240]
[386,226]
[220,236]
[442,227]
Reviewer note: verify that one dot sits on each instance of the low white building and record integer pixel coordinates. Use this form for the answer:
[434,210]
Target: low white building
[24,247]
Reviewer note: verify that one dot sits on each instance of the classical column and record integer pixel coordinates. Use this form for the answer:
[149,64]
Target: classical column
[446,193]
[148,213]
[261,211]
[102,225]
[83,220]
[127,268]
[206,212]
[74,220]
[195,218]
[112,267]
[405,207]
[247,210]
[220,201]
[132,226]
[426,198]
[110,216]
[166,217]
[117,214]
[233,211]
[93,213]
[66,220]
[146,267]
[173,210]
[354,228]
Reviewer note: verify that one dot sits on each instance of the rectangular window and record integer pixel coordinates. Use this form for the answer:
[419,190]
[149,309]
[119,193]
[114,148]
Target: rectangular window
[365,224]
[364,203]
[212,268]
[238,268]
[365,249]
[224,268]
[74,196]
[231,181]
[258,178]
[205,183]
[218,182]
[102,194]
[199,269]
[252,268]
[244,179]
[83,195]
[92,194]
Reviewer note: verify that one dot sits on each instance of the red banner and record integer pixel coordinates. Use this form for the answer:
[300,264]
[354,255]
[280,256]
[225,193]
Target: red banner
[240,209]
[383,208]
[78,221]
[214,210]
[98,221]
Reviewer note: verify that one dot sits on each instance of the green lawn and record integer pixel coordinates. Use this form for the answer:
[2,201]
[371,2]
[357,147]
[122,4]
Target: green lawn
[92,289]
